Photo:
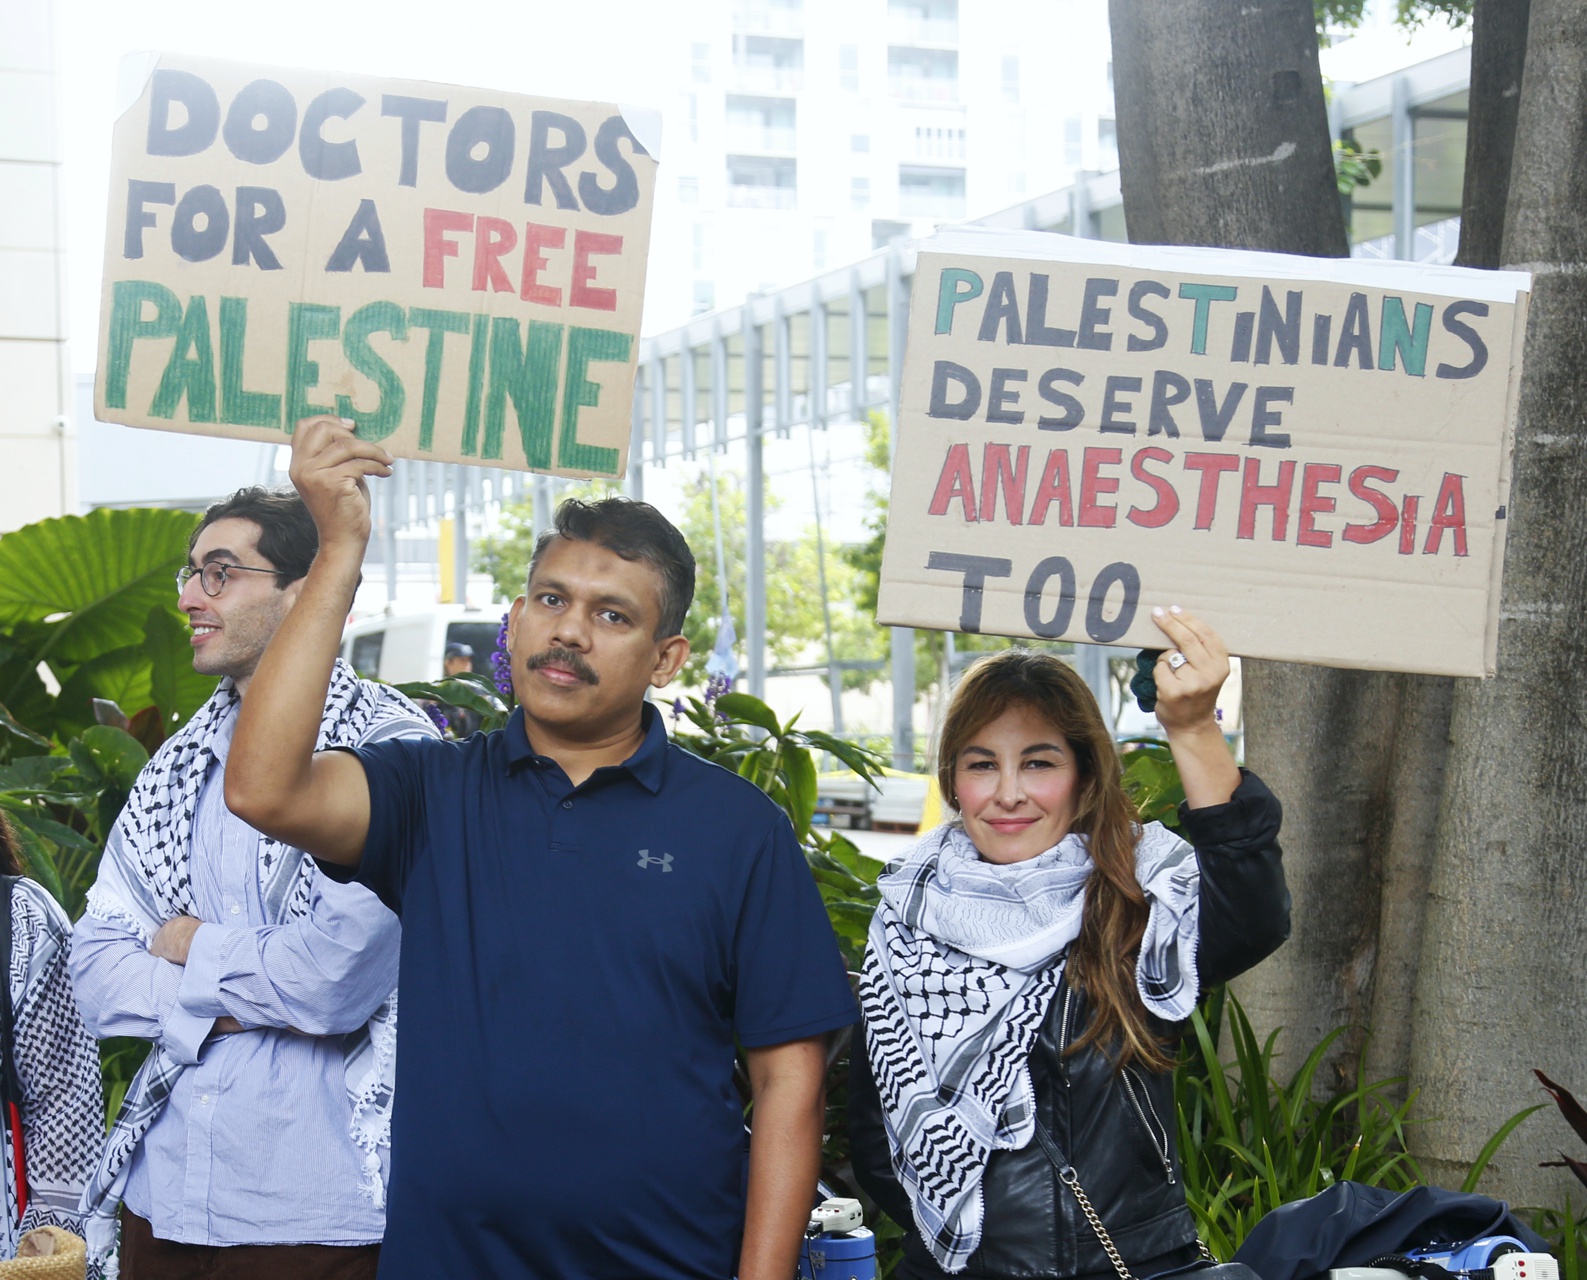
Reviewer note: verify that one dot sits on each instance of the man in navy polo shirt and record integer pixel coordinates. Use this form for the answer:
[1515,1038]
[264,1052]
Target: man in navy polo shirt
[591,916]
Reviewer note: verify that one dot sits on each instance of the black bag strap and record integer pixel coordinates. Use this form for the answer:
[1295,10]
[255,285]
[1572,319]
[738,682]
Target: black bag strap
[10,1082]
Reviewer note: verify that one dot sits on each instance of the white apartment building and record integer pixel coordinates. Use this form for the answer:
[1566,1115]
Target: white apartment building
[38,469]
[803,134]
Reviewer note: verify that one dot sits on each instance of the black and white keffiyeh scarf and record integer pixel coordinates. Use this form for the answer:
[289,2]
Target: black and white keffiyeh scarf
[144,881]
[963,962]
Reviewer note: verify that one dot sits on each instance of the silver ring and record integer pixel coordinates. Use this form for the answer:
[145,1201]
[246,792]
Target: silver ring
[1176,660]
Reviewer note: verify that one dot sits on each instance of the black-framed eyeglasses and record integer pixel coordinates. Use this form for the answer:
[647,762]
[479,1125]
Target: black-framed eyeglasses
[212,577]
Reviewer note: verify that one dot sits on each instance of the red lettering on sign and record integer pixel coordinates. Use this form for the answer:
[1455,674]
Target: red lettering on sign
[537,236]
[1167,500]
[1212,467]
[1093,515]
[493,237]
[1449,512]
[437,248]
[1254,494]
[956,481]
[1314,504]
[1408,524]
[1001,473]
[582,292]
[1388,514]
[1054,487]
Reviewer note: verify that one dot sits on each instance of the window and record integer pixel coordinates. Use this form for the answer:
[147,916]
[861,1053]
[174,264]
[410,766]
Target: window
[930,75]
[689,190]
[1010,78]
[366,653]
[932,142]
[478,636]
[761,182]
[860,142]
[704,295]
[760,124]
[860,193]
[923,21]
[1107,144]
[849,68]
[1073,156]
[884,231]
[702,64]
[769,63]
[930,193]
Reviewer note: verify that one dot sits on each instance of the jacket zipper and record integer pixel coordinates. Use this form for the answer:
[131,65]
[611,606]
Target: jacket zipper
[1156,1133]
[1063,1033]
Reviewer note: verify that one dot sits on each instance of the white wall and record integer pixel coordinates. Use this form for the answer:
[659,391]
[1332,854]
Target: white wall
[38,470]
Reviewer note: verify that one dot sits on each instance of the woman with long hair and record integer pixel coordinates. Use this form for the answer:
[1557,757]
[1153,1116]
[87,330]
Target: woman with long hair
[1030,961]
[52,1122]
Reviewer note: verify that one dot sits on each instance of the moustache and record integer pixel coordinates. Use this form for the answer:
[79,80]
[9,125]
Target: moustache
[566,659]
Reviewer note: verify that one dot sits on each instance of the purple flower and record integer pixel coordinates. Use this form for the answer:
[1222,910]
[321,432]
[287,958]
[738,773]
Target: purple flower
[500,663]
[677,710]
[715,687]
[440,721]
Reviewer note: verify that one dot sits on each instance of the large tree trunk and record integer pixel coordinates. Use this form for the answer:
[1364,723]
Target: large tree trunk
[1223,136]
[1223,140]
[1498,55]
[1504,962]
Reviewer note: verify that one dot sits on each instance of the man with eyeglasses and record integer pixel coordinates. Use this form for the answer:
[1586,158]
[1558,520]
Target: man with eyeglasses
[253,1142]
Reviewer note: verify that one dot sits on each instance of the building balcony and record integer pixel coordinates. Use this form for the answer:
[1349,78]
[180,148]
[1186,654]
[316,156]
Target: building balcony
[742,196]
[912,29]
[764,78]
[780,139]
[924,88]
[769,19]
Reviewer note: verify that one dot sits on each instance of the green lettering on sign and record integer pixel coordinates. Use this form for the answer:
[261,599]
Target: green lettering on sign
[127,326]
[584,347]
[528,374]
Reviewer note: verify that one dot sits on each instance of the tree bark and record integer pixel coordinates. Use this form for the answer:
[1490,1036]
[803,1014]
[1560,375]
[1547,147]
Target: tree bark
[1223,135]
[1223,140]
[1504,960]
[1498,52]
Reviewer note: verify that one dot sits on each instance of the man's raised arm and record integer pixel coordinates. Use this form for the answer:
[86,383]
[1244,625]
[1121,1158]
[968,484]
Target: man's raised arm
[274,780]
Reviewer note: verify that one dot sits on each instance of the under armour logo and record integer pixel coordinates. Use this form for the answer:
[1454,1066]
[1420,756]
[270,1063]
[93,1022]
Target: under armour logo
[664,862]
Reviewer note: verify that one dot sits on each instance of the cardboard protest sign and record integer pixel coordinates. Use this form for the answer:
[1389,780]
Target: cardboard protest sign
[1311,454]
[460,272]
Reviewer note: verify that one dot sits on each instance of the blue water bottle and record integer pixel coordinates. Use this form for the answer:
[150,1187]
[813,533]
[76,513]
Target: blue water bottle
[836,1245]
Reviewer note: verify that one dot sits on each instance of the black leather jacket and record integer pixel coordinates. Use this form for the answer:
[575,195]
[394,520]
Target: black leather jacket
[1116,1128]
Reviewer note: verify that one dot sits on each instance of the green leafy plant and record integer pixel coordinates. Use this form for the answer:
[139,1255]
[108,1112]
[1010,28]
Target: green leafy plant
[1249,1142]
[1354,166]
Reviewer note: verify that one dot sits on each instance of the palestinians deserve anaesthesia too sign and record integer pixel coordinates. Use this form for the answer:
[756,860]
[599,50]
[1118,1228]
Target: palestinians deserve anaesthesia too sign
[460,272]
[1311,454]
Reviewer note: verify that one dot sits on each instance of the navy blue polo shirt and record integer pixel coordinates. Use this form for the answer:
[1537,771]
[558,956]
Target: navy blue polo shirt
[576,963]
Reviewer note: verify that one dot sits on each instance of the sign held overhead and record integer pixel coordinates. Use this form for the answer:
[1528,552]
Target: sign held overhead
[1311,454]
[459,272]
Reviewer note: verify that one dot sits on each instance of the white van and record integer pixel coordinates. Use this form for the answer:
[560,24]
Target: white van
[399,647]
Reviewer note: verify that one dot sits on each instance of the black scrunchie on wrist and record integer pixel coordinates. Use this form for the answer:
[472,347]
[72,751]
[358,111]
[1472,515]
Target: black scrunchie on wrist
[1143,684]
